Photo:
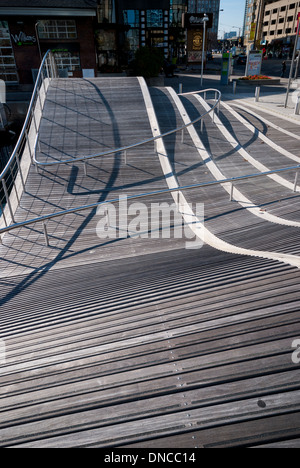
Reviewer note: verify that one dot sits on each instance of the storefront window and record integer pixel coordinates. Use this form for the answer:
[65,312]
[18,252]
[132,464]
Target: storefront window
[57,29]
[67,60]
[8,70]
[132,18]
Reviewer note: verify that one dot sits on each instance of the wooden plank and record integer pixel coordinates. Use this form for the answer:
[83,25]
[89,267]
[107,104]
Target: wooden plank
[204,417]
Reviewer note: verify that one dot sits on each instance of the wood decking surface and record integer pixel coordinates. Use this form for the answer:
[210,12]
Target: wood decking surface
[140,342]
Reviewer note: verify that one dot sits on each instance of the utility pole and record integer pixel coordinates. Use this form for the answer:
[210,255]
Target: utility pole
[205,19]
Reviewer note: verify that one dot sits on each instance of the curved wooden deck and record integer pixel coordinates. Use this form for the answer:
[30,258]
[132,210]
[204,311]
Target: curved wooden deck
[139,342]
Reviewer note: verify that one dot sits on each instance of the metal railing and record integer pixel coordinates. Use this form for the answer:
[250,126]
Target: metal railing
[232,180]
[124,149]
[13,168]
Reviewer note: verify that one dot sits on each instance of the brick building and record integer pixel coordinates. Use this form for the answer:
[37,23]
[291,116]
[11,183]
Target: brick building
[27,32]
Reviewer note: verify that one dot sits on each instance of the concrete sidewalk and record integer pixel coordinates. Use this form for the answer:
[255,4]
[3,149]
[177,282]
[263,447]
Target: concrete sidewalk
[272,98]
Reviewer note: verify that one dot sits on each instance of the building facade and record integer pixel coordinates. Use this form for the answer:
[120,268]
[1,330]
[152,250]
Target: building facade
[27,32]
[126,25]
[271,24]
[279,26]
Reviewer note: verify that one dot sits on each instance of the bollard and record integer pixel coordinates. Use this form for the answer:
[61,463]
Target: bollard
[257,94]
[234,87]
[297,106]
[180,88]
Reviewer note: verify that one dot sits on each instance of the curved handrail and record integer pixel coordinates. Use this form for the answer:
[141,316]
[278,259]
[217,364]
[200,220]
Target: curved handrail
[15,172]
[230,180]
[135,145]
[28,117]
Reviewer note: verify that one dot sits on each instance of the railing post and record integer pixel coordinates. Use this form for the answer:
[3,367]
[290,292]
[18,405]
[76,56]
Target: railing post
[27,141]
[231,192]
[8,200]
[296,181]
[85,168]
[3,214]
[20,171]
[46,234]
[125,157]
[202,123]
[182,135]
[14,184]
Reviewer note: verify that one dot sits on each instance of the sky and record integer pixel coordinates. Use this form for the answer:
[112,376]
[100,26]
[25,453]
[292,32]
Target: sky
[233,15]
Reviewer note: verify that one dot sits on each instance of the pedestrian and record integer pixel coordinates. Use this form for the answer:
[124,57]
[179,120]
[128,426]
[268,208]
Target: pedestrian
[283,69]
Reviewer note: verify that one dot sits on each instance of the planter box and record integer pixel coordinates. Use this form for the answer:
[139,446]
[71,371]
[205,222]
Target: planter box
[158,81]
[257,82]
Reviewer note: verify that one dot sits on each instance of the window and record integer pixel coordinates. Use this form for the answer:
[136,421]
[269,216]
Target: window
[288,30]
[8,69]
[106,13]
[57,29]
[67,60]
[154,18]
[131,18]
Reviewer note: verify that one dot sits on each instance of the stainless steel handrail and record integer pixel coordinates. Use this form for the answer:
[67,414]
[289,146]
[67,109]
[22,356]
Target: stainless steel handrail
[28,116]
[232,180]
[13,167]
[140,143]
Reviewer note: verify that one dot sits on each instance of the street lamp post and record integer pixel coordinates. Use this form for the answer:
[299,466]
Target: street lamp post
[292,64]
[205,19]
[38,39]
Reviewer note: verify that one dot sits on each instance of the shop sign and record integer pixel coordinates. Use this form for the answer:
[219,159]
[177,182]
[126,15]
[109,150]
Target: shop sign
[195,20]
[22,39]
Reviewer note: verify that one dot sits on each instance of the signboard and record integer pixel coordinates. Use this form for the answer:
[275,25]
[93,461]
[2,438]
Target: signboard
[252,31]
[195,20]
[226,68]
[254,63]
[22,39]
